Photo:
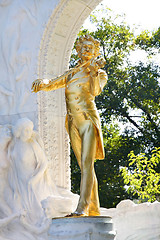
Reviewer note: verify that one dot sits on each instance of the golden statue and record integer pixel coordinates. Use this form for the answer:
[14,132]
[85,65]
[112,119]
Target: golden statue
[82,84]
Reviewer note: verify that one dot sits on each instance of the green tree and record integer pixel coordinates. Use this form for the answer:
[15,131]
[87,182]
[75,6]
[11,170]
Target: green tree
[149,41]
[111,184]
[142,178]
[131,88]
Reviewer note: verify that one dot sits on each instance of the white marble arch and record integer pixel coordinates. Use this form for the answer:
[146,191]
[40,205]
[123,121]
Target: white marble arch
[36,41]
[55,49]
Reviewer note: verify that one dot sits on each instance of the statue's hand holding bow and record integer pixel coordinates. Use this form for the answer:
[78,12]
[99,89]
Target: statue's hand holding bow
[39,84]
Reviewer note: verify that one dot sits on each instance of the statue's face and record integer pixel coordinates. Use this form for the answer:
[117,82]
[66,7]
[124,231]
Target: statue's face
[87,50]
[26,133]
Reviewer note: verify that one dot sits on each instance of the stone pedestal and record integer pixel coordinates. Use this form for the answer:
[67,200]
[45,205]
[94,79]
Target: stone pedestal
[82,228]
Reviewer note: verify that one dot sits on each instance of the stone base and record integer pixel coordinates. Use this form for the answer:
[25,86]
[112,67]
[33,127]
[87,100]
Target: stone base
[82,228]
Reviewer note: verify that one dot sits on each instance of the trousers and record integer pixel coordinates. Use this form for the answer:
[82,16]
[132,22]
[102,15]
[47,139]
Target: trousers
[83,135]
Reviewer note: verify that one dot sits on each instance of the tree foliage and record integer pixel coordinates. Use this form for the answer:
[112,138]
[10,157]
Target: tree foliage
[142,178]
[111,184]
[131,98]
[130,87]
[149,41]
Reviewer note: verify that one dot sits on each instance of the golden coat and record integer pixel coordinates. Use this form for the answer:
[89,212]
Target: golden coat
[80,91]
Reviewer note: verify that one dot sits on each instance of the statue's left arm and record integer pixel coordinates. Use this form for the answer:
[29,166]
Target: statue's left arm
[98,81]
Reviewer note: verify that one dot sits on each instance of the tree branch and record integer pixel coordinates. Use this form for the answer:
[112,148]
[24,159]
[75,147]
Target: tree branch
[148,117]
[125,114]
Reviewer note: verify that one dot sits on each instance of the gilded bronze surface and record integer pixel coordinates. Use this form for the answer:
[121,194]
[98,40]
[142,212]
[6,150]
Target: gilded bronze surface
[82,84]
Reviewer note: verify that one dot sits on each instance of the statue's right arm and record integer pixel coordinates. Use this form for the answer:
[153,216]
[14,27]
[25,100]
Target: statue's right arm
[48,84]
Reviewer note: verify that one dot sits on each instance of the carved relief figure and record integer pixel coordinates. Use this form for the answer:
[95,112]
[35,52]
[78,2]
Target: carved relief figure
[4,222]
[5,138]
[26,189]
[30,180]
[82,84]
[27,172]
[15,55]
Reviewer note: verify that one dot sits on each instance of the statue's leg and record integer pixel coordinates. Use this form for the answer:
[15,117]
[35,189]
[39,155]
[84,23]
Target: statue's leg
[88,139]
[94,206]
[75,142]
[89,187]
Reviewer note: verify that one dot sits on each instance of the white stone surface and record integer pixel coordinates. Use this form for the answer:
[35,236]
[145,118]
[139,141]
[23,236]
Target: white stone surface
[83,228]
[135,221]
[5,138]
[29,197]
[22,26]
[36,41]
[57,42]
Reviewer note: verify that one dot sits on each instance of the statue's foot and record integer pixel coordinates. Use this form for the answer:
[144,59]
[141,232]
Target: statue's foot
[77,214]
[94,213]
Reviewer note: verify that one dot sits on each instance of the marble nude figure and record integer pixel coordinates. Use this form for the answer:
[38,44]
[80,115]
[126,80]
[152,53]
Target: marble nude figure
[82,84]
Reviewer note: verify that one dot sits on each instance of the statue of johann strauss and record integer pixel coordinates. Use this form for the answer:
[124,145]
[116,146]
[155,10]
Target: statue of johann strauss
[82,84]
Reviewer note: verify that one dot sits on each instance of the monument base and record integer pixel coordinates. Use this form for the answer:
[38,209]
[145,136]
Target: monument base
[82,228]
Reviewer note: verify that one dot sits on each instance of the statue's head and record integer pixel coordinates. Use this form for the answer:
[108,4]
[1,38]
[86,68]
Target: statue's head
[87,47]
[23,129]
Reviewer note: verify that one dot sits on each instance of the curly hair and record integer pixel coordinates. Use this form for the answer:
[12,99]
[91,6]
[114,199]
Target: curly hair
[90,39]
